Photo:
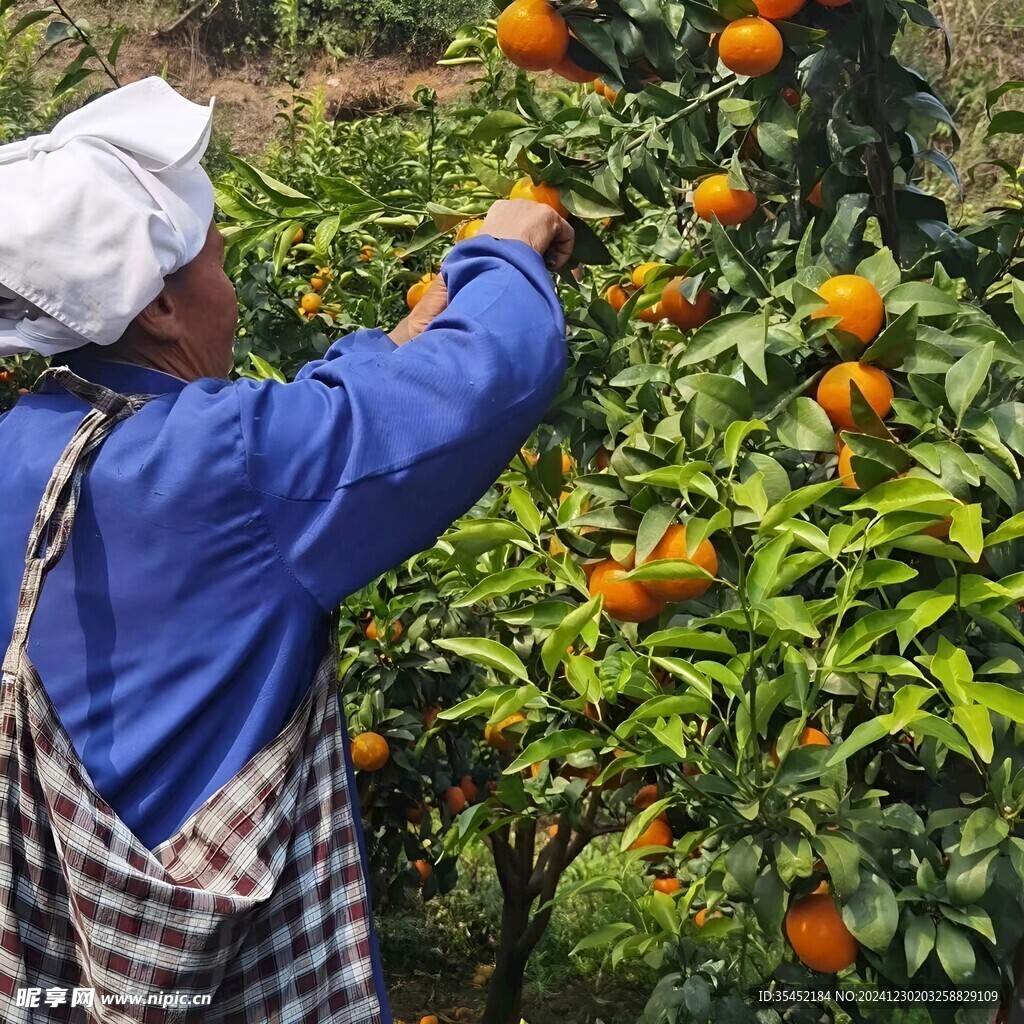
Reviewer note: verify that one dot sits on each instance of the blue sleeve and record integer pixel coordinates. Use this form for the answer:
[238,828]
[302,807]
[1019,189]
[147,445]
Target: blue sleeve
[374,450]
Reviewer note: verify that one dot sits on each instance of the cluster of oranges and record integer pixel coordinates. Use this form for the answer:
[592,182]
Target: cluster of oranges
[632,601]
[673,305]
[861,312]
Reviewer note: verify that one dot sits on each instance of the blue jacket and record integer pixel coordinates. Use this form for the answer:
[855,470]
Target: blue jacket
[221,524]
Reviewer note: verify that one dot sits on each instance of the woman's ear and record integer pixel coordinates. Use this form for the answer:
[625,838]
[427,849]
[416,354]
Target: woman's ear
[160,318]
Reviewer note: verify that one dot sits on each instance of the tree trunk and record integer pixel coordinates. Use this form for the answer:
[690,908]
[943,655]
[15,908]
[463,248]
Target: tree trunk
[505,991]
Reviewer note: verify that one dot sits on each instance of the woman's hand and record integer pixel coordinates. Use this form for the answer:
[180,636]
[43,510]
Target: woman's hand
[432,305]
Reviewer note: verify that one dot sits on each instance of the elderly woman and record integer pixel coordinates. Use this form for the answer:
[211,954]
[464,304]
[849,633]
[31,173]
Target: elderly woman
[178,813]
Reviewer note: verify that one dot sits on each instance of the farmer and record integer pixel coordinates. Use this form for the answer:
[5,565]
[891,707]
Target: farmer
[178,810]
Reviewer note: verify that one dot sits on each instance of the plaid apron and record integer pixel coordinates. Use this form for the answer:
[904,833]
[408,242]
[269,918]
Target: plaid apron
[259,899]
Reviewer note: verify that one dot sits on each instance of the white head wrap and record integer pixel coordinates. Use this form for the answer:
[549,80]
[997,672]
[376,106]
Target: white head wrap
[94,216]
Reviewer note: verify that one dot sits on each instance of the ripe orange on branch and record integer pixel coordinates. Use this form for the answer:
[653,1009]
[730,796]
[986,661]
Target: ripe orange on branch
[626,601]
[834,394]
[571,71]
[311,303]
[370,751]
[525,188]
[845,469]
[495,734]
[777,10]
[639,275]
[810,737]
[751,46]
[455,799]
[373,631]
[532,34]
[857,301]
[469,229]
[423,869]
[669,886]
[657,833]
[819,937]
[616,297]
[679,310]
[673,546]
[714,198]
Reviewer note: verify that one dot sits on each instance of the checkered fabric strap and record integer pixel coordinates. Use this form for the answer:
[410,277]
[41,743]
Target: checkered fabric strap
[51,529]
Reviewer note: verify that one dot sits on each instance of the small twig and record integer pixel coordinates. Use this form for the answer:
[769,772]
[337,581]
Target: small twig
[161,33]
[104,66]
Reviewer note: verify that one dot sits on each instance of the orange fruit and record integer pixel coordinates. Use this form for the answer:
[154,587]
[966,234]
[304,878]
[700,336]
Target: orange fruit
[317,283]
[299,236]
[415,294]
[395,630]
[629,601]
[616,297]
[571,71]
[819,937]
[639,275]
[668,886]
[651,315]
[366,254]
[751,46]
[656,834]
[701,917]
[808,738]
[604,90]
[645,797]
[468,786]
[673,546]
[414,815]
[552,831]
[423,868]
[495,734]
[370,751]
[816,197]
[469,229]
[778,10]
[603,458]
[834,392]
[532,34]
[792,97]
[567,463]
[678,309]
[939,530]
[845,469]
[429,1019]
[714,198]
[857,301]
[455,799]
[311,303]
[430,715]
[524,188]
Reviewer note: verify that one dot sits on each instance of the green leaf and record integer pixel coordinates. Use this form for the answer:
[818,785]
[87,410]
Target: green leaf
[983,830]
[906,494]
[918,942]
[975,722]
[1000,699]
[930,301]
[893,345]
[657,519]
[741,275]
[525,509]
[842,858]
[496,124]
[794,503]
[859,638]
[718,336]
[499,584]
[486,652]
[717,399]
[881,270]
[556,744]
[965,378]
[763,577]
[955,952]
[966,530]
[969,876]
[804,426]
[557,644]
[603,936]
[872,914]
